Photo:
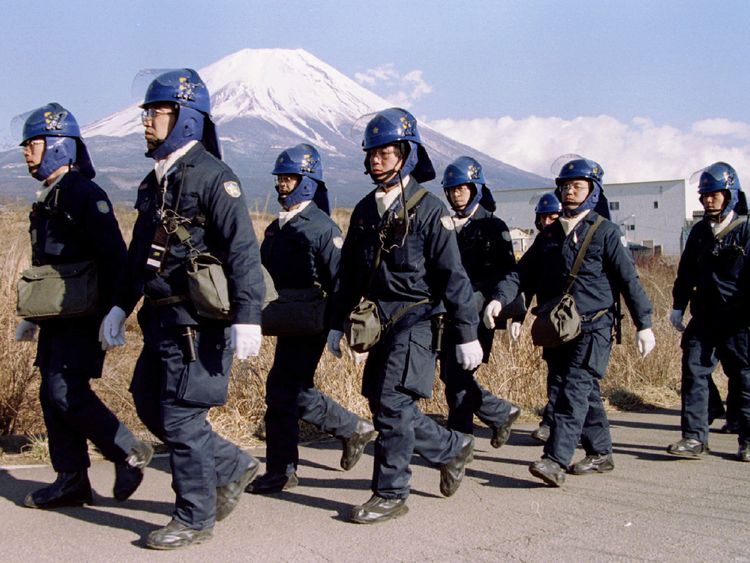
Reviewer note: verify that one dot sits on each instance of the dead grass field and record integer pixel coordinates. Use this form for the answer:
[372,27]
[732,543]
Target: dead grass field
[515,371]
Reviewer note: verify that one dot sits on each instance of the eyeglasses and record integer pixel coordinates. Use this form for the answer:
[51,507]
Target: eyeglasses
[31,144]
[381,153]
[149,114]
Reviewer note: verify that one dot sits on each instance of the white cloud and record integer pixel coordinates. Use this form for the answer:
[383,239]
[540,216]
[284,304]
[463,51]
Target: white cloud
[399,89]
[628,151]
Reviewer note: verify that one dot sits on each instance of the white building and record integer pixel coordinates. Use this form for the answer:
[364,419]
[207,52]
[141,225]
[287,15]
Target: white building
[651,214]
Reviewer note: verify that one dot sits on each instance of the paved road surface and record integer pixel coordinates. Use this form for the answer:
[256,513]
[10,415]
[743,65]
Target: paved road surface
[653,507]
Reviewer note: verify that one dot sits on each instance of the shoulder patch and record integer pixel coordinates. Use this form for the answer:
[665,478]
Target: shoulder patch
[338,242]
[448,223]
[102,206]
[506,236]
[232,188]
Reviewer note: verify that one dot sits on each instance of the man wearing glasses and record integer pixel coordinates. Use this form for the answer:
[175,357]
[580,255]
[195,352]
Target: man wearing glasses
[189,206]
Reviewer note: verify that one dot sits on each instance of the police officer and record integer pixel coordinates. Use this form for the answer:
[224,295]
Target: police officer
[547,211]
[189,205]
[487,255]
[73,221]
[301,249]
[401,253]
[581,363]
[713,277]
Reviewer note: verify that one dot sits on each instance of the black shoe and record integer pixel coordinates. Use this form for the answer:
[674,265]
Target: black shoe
[596,463]
[176,534]
[743,454]
[129,473]
[548,471]
[355,444]
[688,447]
[379,509]
[228,496]
[500,434]
[730,428]
[272,483]
[541,434]
[452,473]
[69,489]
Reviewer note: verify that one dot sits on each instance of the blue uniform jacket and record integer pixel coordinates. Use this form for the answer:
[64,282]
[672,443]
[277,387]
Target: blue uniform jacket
[76,223]
[218,221]
[714,276]
[304,251]
[607,268]
[423,263]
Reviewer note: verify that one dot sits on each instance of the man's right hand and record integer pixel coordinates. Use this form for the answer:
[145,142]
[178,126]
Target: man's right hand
[676,318]
[112,329]
[491,311]
[334,342]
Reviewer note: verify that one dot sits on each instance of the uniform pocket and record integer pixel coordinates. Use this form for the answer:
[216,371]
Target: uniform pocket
[419,374]
[205,382]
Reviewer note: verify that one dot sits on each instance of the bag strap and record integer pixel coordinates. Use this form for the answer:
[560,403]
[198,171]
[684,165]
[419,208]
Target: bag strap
[729,228]
[582,252]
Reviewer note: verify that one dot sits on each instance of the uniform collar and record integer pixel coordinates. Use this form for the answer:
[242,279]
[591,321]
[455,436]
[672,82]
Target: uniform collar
[162,167]
[286,216]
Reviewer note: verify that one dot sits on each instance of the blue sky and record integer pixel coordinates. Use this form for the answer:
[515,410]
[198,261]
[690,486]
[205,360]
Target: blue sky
[504,76]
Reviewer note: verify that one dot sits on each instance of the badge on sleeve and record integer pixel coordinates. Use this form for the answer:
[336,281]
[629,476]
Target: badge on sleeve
[102,206]
[232,188]
[506,236]
[448,223]
[338,242]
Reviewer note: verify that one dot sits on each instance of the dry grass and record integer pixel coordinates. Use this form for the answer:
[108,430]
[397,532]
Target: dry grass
[515,371]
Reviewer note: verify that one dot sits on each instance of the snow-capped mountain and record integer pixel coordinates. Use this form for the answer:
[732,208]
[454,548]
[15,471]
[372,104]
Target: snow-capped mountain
[264,100]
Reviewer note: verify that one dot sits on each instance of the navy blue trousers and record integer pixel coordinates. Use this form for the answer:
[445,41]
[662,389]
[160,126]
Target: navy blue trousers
[291,396]
[578,409]
[69,356]
[702,348]
[172,397]
[400,370]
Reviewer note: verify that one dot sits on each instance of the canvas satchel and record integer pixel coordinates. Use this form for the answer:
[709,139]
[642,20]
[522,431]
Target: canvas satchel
[58,291]
[208,288]
[557,320]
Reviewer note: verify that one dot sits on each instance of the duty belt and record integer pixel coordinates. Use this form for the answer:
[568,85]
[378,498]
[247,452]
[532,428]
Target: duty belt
[166,300]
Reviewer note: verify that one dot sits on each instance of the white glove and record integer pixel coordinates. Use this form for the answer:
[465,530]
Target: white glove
[469,355]
[359,357]
[26,331]
[645,340]
[245,340]
[491,311]
[515,331]
[112,329]
[676,318]
[334,342]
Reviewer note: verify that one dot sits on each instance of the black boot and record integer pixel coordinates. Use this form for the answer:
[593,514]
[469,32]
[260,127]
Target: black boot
[548,471]
[129,473]
[689,448]
[593,463]
[69,489]
[500,434]
[228,496]
[379,509]
[272,483]
[176,534]
[541,434]
[355,444]
[743,454]
[452,473]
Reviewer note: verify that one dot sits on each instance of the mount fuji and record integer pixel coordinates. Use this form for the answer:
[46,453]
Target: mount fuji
[264,100]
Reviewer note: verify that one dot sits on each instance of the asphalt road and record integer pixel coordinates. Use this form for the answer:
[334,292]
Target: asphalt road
[653,507]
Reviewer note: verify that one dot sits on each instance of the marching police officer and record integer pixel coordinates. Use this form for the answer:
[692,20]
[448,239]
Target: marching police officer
[547,211]
[581,363]
[73,221]
[401,254]
[189,206]
[301,250]
[713,277]
[487,256]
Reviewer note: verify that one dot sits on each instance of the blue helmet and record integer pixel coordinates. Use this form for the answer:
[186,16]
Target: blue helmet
[303,160]
[583,168]
[394,126]
[184,88]
[63,145]
[548,203]
[466,170]
[718,177]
